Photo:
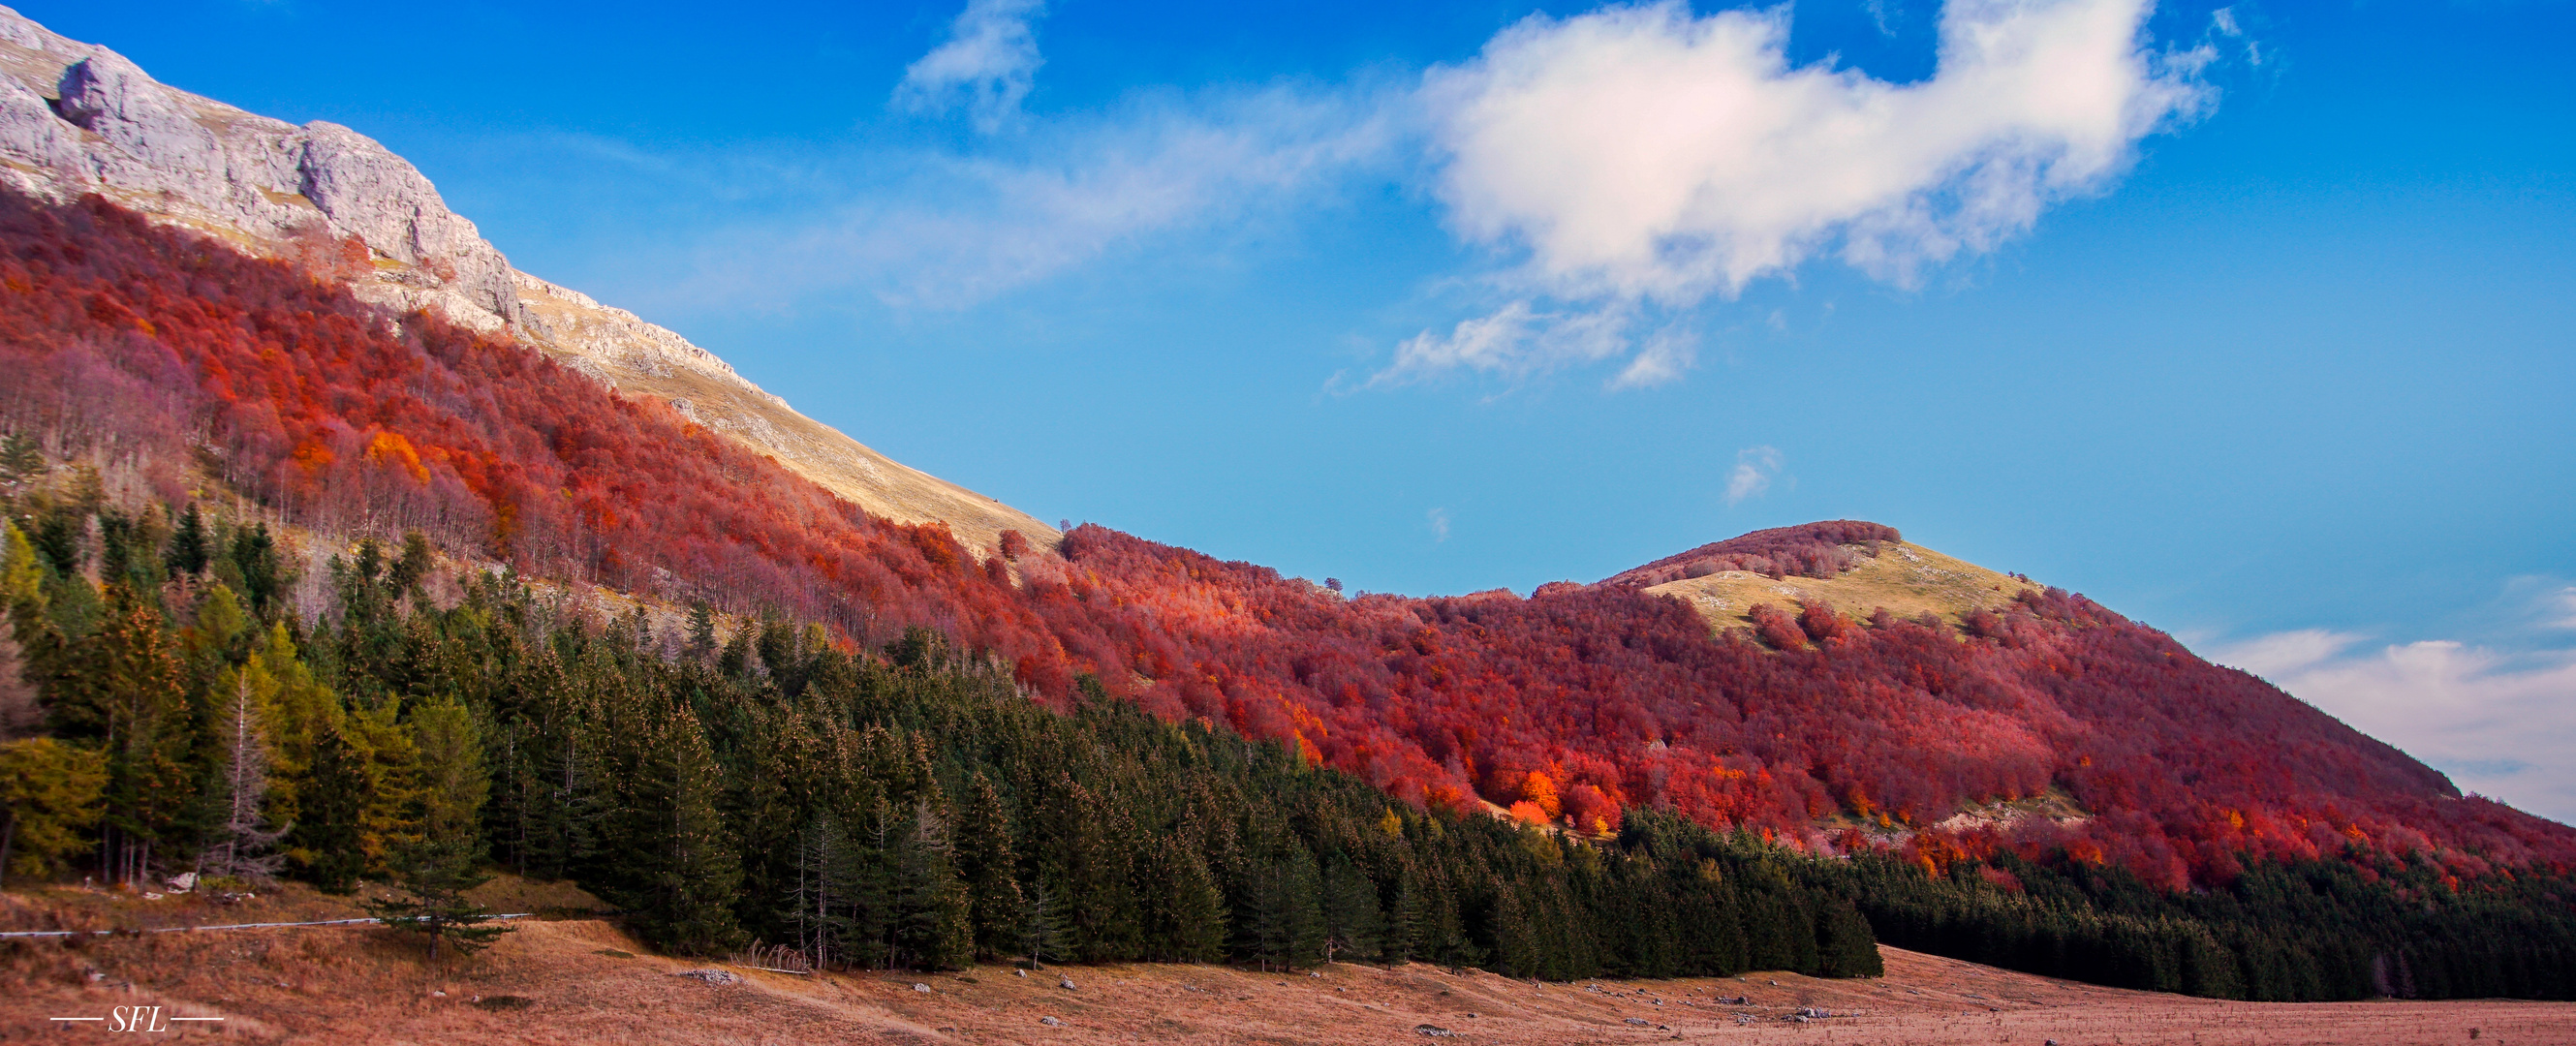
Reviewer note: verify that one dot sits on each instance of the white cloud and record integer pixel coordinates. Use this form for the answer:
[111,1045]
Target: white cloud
[1645,154]
[1754,468]
[2500,726]
[1439,518]
[988,63]
[1516,342]
[1631,162]
[1662,361]
[947,230]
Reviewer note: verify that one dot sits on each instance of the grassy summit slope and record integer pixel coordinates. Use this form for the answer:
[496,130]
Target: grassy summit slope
[1907,579]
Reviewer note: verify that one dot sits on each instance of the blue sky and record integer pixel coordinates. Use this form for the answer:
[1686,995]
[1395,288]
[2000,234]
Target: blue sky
[2256,323]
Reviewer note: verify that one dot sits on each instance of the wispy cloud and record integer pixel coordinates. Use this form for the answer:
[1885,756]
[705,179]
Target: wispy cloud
[944,230]
[2499,724]
[1754,468]
[987,65]
[1439,519]
[1515,341]
[1665,356]
[1647,155]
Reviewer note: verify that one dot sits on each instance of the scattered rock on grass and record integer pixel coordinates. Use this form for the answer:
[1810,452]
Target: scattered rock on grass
[710,976]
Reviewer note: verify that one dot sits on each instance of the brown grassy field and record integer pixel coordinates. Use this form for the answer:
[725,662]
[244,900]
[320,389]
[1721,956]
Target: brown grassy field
[580,980]
[1906,578]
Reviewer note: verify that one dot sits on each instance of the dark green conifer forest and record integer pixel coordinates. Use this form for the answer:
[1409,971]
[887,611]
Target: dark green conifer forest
[758,782]
[904,808]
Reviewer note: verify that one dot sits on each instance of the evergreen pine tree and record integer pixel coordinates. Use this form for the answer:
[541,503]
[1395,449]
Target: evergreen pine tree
[1283,921]
[1844,945]
[328,836]
[818,895]
[190,547]
[263,575]
[1042,934]
[1354,922]
[693,869]
[702,631]
[1189,922]
[932,925]
[986,862]
[434,875]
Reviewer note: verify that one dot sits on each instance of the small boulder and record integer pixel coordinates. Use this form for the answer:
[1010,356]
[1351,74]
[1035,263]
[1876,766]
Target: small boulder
[920,987]
[1051,1022]
[1065,983]
[710,976]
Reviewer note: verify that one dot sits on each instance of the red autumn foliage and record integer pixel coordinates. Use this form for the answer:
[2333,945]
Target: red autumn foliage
[151,343]
[1819,550]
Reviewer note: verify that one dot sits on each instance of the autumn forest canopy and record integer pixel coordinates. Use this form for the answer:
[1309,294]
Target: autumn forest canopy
[215,413]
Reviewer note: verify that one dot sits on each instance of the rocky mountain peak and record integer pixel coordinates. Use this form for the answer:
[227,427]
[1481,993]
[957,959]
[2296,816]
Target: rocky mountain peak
[77,118]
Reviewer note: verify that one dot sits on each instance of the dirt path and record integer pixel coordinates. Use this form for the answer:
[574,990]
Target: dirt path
[584,982]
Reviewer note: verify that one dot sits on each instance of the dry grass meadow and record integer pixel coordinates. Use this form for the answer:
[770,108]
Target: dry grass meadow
[1906,578]
[575,979]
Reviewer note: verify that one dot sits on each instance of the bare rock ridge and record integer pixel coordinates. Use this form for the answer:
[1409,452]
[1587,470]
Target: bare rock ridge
[77,118]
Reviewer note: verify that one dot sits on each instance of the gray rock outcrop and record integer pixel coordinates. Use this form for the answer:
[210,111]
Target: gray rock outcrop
[77,118]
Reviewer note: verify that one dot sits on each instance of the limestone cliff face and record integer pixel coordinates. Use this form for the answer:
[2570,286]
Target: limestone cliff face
[78,118]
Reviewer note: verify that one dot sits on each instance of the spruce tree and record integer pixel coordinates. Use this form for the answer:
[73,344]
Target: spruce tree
[263,574]
[986,862]
[1283,919]
[190,547]
[692,870]
[328,837]
[818,895]
[1354,922]
[1042,934]
[932,925]
[434,875]
[1844,945]
[1190,915]
[702,631]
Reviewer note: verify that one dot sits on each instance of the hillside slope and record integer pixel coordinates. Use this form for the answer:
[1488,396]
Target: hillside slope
[1579,701]
[77,118]
[169,368]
